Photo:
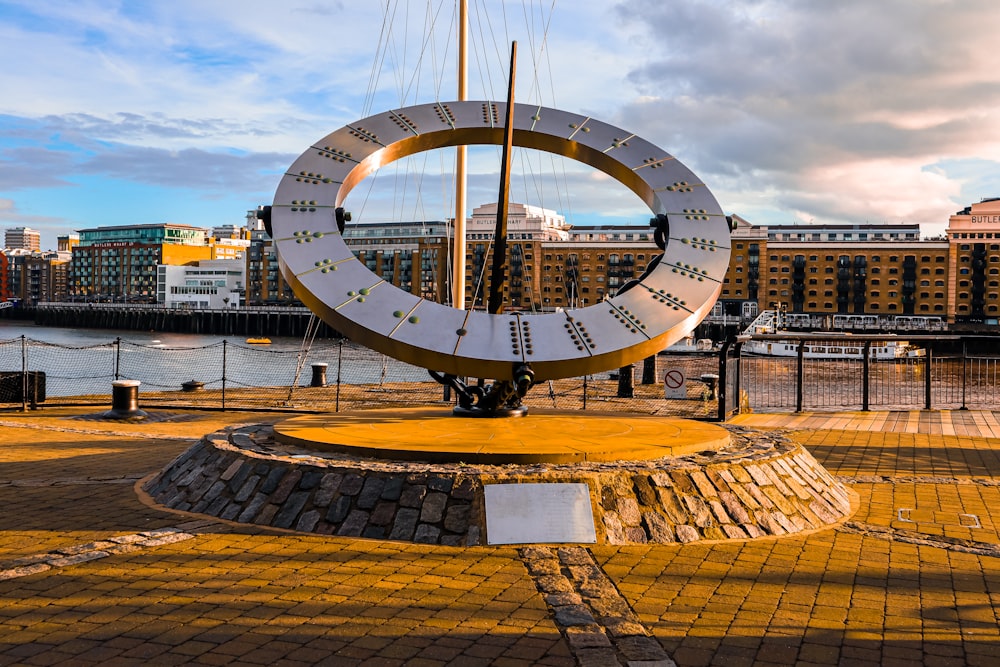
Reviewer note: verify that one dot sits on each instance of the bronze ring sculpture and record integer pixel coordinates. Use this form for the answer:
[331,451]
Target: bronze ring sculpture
[676,293]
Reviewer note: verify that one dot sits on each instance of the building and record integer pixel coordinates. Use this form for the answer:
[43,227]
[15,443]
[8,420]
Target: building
[414,256]
[880,270]
[119,263]
[973,285]
[23,238]
[212,284]
[67,242]
[265,285]
[5,294]
[856,269]
[45,277]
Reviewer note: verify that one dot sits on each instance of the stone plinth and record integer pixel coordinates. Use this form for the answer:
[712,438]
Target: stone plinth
[757,485]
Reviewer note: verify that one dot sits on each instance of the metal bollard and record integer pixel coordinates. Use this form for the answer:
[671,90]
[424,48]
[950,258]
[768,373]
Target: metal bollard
[125,400]
[319,375]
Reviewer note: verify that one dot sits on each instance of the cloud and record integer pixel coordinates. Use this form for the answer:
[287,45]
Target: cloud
[9,213]
[836,108]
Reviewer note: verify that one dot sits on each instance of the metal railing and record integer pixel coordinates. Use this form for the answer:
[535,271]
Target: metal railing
[954,380]
[230,376]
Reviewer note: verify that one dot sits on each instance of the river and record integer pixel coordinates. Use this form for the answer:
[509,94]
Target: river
[84,361]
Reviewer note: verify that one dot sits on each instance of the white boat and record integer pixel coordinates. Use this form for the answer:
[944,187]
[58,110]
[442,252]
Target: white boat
[836,347]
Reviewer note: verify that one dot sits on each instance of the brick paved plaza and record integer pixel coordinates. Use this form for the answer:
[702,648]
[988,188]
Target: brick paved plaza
[91,573]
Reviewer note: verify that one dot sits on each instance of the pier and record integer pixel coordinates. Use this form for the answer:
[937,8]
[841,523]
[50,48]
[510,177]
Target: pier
[251,321]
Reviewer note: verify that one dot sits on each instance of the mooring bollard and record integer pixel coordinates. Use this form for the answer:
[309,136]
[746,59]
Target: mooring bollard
[711,380]
[319,375]
[125,400]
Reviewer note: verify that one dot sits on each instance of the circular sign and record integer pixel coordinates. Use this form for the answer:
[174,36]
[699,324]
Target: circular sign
[673,378]
[669,300]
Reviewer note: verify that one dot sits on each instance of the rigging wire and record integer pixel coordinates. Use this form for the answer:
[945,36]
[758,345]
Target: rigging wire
[398,50]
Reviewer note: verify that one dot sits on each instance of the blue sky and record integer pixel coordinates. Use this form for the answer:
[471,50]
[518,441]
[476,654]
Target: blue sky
[120,112]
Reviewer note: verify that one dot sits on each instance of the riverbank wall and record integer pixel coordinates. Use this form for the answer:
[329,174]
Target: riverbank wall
[228,322]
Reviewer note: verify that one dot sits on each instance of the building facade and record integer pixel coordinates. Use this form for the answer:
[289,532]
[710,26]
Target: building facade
[215,284]
[812,269]
[119,263]
[23,238]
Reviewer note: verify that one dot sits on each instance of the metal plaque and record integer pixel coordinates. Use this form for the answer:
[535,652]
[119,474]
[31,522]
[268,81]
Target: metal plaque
[538,513]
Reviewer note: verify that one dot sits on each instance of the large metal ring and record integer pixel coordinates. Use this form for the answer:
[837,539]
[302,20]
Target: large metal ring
[664,307]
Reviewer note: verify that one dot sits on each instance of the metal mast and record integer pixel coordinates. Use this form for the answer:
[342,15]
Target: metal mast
[458,259]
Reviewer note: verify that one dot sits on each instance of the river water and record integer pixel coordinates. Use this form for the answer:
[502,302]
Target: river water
[84,361]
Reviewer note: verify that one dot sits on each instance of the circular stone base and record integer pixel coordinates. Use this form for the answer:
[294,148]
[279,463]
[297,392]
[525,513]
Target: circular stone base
[757,485]
[436,435]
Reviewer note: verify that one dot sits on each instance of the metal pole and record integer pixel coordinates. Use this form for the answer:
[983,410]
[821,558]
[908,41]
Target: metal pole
[458,259]
[340,358]
[24,373]
[118,357]
[927,378]
[965,372]
[723,375]
[495,304]
[224,344]
[865,377]
[799,375]
[738,384]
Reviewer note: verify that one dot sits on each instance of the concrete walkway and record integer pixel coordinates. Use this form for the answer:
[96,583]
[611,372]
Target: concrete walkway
[89,574]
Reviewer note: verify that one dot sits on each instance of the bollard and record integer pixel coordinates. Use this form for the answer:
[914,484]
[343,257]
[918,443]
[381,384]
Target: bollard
[319,375]
[125,400]
[711,380]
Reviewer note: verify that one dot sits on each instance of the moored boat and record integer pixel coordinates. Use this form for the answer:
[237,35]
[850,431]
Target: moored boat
[835,347]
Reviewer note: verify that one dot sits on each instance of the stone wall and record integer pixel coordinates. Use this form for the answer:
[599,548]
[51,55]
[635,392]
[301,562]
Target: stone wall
[760,485]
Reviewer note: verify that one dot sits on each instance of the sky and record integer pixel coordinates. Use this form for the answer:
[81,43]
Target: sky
[791,111]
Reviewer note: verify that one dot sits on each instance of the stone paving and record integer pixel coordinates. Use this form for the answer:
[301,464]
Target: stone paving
[90,574]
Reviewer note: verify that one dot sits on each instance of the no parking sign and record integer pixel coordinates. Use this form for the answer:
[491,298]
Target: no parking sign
[673,384]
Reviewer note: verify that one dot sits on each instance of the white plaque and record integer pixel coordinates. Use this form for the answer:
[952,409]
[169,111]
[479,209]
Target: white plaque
[530,513]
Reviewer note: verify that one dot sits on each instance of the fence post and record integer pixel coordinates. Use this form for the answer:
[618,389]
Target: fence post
[224,345]
[865,375]
[927,378]
[340,357]
[24,373]
[723,379]
[799,375]
[965,372]
[585,392]
[118,357]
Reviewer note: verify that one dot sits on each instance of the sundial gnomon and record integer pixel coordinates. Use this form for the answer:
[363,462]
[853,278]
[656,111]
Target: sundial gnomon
[675,293]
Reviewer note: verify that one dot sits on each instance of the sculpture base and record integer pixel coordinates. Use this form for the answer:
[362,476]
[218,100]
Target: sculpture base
[636,486]
[499,413]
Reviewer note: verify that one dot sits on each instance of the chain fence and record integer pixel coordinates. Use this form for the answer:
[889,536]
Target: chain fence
[332,376]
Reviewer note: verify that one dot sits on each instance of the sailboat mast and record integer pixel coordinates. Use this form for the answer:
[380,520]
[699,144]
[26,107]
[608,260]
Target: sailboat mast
[458,261]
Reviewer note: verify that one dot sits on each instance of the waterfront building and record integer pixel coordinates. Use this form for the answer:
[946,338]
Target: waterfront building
[5,294]
[23,238]
[45,277]
[67,242]
[857,269]
[414,256]
[119,263]
[973,286]
[823,270]
[264,284]
[213,284]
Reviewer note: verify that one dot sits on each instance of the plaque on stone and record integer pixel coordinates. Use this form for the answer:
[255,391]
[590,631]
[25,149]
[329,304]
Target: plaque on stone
[538,513]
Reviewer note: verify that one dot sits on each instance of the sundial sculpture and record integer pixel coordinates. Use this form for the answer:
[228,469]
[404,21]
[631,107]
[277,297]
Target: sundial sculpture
[679,287]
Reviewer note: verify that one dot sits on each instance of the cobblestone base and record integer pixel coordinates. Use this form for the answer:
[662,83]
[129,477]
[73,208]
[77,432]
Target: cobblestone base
[760,485]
